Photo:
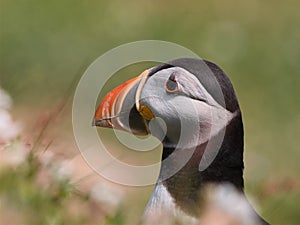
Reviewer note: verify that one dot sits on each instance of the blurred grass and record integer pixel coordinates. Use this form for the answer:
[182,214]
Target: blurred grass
[43,44]
[34,196]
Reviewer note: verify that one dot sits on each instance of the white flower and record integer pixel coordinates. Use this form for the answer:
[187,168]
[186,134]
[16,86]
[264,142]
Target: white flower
[13,155]
[5,100]
[225,198]
[46,157]
[8,128]
[63,170]
[106,195]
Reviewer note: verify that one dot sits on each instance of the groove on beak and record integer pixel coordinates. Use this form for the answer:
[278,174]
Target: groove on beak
[119,106]
[111,104]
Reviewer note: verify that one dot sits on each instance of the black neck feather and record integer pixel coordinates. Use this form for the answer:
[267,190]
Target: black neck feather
[185,186]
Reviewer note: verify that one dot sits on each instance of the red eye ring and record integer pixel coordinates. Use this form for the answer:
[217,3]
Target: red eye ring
[171,84]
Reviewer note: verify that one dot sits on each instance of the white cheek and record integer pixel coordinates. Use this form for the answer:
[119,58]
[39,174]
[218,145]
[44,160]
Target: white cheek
[190,121]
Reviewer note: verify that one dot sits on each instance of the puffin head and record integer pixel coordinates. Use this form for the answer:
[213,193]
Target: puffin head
[183,103]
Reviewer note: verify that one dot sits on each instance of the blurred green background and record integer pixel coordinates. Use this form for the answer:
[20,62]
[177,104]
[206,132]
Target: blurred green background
[44,44]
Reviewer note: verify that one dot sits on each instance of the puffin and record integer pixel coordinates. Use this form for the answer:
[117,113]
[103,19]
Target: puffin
[190,105]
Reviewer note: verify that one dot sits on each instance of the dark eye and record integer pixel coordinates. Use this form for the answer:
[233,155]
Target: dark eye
[172,85]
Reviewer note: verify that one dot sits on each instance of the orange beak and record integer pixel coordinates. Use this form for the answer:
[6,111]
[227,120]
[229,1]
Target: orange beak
[118,109]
